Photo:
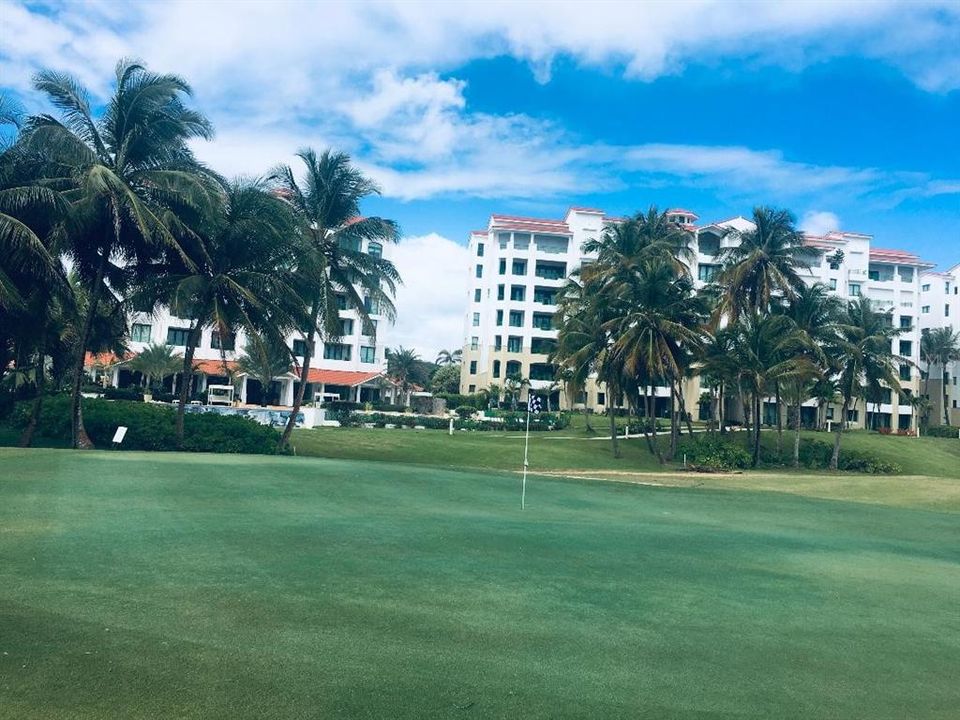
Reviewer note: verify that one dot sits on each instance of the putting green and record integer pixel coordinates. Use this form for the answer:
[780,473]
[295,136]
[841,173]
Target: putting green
[196,586]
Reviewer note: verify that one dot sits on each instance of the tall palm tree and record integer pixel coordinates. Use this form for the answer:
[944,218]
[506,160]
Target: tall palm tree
[763,265]
[718,371]
[447,357]
[513,385]
[863,356]
[264,359]
[330,263]
[941,346]
[768,348]
[402,368]
[623,246]
[234,275]
[132,182]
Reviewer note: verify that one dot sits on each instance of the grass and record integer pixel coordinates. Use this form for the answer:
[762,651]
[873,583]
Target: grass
[198,586]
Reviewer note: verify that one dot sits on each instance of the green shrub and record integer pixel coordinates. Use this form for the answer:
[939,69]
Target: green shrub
[717,453]
[151,427]
[132,393]
[942,431]
[388,407]
[341,405]
[816,454]
[465,411]
[512,421]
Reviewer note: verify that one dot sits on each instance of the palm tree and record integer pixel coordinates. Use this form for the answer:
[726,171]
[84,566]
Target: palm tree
[624,245]
[446,357]
[941,346]
[513,385]
[264,359]
[156,362]
[763,265]
[768,348]
[402,368]
[130,177]
[863,357]
[718,371]
[332,272]
[234,276]
[659,325]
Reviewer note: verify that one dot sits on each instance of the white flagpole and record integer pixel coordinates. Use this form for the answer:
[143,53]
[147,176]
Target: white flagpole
[526,447]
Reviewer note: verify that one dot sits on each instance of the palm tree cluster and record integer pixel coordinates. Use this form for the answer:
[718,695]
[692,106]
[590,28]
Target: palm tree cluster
[107,213]
[634,321]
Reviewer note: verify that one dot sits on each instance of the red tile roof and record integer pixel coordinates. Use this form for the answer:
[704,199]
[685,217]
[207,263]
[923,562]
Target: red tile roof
[592,211]
[349,378]
[215,367]
[529,224]
[105,359]
[681,211]
[902,257]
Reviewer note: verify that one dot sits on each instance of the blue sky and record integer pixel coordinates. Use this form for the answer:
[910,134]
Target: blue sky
[844,112]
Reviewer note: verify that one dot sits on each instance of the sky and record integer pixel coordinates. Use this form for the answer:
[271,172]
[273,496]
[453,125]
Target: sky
[847,113]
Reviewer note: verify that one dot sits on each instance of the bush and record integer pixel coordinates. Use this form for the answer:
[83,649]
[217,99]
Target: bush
[465,411]
[478,401]
[943,431]
[512,421]
[132,394]
[716,453]
[339,405]
[388,407]
[816,454]
[151,427]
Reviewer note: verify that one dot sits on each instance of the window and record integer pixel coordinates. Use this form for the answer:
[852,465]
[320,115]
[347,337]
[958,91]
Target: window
[341,301]
[830,413]
[514,368]
[222,342]
[906,322]
[368,354]
[371,306]
[477,295]
[542,346]
[474,343]
[375,249]
[501,289]
[479,249]
[601,398]
[299,348]
[346,326]
[854,289]
[177,336]
[904,372]
[514,344]
[471,389]
[503,239]
[499,318]
[336,351]
[542,371]
[545,296]
[906,348]
[516,318]
[140,332]
[503,266]
[473,367]
[498,342]
[479,270]
[946,311]
[833,283]
[518,293]
[372,330]
[476,319]
[496,368]
[925,310]
[853,415]
[925,287]
[706,272]
[543,321]
[519,267]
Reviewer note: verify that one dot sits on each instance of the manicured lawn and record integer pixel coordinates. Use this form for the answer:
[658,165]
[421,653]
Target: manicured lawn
[195,586]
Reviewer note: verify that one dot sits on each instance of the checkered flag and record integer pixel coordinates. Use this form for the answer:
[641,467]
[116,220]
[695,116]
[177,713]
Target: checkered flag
[533,405]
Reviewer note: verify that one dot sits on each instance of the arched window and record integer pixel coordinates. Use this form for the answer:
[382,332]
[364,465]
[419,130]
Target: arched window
[375,249]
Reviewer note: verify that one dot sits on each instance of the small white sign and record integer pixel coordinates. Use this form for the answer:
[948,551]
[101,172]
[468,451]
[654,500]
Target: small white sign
[119,434]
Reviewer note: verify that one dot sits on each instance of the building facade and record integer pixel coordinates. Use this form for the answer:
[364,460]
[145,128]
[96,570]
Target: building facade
[939,308]
[518,265]
[350,368]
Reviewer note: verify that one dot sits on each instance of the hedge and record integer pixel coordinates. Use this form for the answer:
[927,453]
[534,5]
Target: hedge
[151,427]
[816,455]
[511,421]
[943,431]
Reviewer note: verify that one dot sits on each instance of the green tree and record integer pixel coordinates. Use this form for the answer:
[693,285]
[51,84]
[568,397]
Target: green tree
[130,177]
[263,359]
[402,367]
[447,357]
[940,347]
[332,273]
[157,362]
[446,379]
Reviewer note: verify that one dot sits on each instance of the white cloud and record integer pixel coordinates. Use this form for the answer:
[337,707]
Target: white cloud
[431,300]
[819,222]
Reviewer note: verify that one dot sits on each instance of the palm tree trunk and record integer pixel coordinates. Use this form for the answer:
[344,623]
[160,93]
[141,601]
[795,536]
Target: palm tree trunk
[304,375]
[614,441]
[946,394]
[26,438]
[683,409]
[186,378]
[756,430]
[779,406]
[796,437]
[835,458]
[721,414]
[650,404]
[81,441]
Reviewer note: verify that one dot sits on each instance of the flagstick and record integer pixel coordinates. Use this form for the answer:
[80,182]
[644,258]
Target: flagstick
[526,447]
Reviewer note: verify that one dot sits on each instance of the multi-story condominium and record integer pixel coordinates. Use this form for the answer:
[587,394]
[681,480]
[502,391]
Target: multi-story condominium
[518,264]
[939,308]
[350,368]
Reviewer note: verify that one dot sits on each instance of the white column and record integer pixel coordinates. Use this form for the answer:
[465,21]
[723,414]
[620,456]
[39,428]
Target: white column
[243,391]
[287,394]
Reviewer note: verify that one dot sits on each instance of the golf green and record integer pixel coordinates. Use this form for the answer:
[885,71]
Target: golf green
[137,585]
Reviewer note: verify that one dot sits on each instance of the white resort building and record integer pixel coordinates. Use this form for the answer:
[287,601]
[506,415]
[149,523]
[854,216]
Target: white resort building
[518,265]
[353,368]
[939,308]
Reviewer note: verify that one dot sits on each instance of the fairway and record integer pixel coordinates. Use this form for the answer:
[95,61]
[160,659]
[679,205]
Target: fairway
[140,585]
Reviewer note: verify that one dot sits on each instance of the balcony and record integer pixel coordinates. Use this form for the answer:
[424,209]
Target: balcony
[547,270]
